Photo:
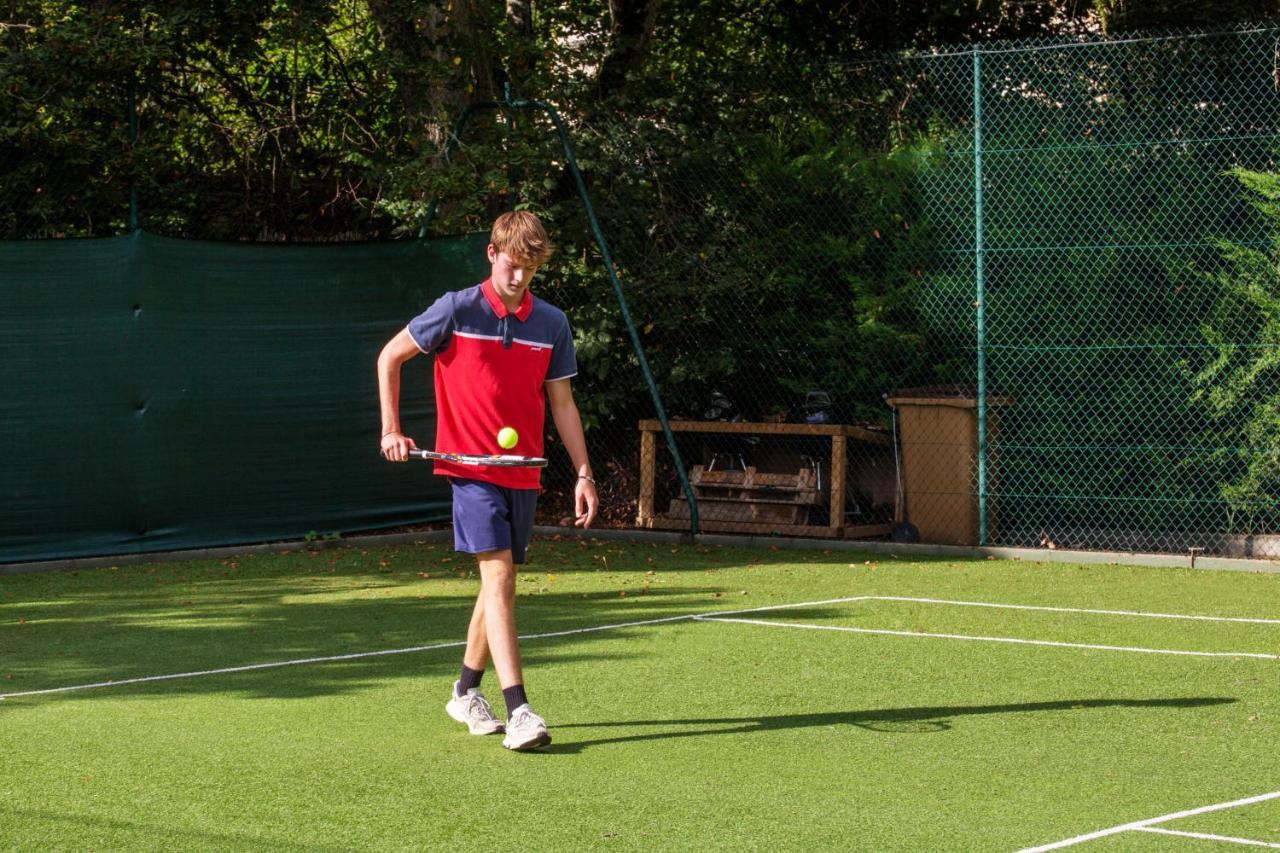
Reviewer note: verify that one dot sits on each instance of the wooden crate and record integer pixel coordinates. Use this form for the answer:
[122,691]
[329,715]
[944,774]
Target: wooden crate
[728,487]
[750,496]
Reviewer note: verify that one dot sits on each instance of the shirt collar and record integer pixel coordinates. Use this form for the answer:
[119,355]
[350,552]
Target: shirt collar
[522,312]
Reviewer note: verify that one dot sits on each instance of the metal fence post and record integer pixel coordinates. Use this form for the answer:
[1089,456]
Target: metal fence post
[979,298]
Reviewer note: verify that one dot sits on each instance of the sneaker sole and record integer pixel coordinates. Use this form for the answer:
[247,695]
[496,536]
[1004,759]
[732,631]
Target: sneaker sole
[500,729]
[541,740]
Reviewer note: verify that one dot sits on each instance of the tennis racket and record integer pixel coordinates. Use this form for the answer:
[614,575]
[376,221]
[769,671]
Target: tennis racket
[503,461]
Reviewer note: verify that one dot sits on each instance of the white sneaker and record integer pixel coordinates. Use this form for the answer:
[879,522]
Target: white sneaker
[473,709]
[525,730]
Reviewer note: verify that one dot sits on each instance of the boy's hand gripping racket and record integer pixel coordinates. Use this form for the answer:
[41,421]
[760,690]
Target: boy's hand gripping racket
[500,461]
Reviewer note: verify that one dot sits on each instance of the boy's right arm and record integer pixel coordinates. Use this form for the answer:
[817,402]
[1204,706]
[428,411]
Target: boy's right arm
[395,444]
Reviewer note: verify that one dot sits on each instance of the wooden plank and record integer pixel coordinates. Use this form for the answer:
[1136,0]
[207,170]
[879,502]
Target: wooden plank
[855,531]
[837,483]
[751,486]
[751,428]
[866,531]
[724,509]
[700,476]
[801,481]
[763,528]
[799,500]
[648,460]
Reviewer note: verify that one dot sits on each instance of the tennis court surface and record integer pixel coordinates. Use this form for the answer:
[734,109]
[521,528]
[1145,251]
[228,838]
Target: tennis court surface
[699,697]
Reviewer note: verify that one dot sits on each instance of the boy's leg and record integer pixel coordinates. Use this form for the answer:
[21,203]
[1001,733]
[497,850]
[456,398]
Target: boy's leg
[525,729]
[476,656]
[475,509]
[466,704]
[496,617]
[494,524]
[477,653]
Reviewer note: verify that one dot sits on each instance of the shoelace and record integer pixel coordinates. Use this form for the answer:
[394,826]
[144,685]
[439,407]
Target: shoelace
[525,718]
[476,705]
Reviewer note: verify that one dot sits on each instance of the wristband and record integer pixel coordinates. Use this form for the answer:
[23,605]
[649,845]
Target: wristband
[390,432]
[588,479]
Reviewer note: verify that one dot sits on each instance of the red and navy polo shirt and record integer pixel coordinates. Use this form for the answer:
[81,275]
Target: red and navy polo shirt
[491,368]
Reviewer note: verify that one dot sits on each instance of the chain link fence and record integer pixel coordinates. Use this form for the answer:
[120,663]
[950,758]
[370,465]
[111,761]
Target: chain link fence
[1034,284]
[1082,276]
[1023,294]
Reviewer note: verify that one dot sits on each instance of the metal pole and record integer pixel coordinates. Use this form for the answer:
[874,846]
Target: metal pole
[622,304]
[980,297]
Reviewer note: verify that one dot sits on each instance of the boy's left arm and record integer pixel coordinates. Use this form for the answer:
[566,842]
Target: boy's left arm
[569,425]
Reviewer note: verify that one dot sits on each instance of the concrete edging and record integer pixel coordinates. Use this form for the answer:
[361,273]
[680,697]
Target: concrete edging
[865,546]
[1044,555]
[222,552]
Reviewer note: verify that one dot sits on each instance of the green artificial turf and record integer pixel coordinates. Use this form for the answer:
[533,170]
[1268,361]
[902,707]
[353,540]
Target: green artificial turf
[669,736]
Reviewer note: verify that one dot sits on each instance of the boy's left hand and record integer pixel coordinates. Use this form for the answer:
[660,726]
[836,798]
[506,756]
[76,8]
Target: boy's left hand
[585,502]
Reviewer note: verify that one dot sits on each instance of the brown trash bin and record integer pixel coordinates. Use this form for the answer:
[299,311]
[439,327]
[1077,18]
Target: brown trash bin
[938,450]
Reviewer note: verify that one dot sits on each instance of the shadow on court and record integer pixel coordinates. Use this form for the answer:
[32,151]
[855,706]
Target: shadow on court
[61,629]
[893,720]
[115,831]
[244,636]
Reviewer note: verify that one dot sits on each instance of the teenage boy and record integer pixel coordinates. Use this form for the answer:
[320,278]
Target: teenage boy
[501,356]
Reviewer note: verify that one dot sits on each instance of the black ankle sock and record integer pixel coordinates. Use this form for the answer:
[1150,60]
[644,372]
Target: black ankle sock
[514,697]
[469,678]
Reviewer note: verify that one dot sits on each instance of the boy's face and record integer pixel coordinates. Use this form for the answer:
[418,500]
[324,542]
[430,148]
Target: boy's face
[511,277]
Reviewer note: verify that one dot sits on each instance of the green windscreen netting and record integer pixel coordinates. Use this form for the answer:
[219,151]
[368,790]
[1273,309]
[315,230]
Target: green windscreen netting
[172,394]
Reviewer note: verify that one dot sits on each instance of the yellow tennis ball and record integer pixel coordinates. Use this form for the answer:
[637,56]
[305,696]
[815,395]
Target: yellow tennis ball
[507,438]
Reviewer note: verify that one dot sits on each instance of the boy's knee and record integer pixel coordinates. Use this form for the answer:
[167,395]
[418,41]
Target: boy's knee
[496,568]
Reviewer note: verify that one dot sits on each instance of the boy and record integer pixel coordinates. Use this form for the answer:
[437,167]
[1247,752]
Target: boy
[501,356]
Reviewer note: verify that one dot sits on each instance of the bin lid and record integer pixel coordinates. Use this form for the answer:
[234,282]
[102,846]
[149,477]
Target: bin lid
[957,394]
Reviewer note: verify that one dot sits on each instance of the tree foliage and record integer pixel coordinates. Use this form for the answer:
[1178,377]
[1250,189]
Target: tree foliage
[1239,386]
[758,168]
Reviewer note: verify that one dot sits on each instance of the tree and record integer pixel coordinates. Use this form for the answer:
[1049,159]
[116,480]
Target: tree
[1239,385]
[1119,16]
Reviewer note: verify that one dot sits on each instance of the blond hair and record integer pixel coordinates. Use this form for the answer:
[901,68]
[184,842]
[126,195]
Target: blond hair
[520,234]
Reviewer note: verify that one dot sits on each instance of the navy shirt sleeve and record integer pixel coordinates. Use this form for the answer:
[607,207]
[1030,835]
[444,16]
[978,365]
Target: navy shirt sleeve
[564,363]
[432,329]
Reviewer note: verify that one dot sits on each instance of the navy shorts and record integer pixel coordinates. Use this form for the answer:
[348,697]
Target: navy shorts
[492,518]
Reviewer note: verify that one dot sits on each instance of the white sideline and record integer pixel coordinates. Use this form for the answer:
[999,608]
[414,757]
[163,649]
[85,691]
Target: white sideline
[1151,821]
[1015,640]
[1208,836]
[1077,610]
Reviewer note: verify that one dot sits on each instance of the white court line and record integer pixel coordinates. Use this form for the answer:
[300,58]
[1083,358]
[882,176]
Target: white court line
[692,616]
[328,659]
[1208,837]
[1151,821]
[227,669]
[1077,610]
[358,655]
[1016,640]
